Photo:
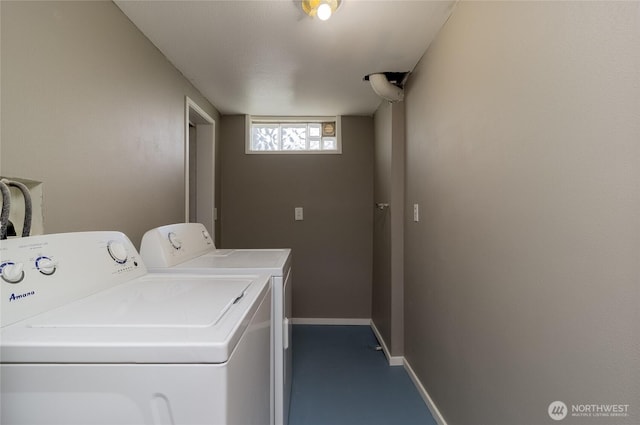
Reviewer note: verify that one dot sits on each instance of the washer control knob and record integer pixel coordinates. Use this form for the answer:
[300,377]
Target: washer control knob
[205,235]
[12,272]
[45,265]
[118,252]
[174,241]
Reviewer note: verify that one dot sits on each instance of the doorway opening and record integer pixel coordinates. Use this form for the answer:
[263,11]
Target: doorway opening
[199,167]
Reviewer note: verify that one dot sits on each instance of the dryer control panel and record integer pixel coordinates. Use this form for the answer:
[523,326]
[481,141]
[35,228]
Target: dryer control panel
[173,244]
[40,273]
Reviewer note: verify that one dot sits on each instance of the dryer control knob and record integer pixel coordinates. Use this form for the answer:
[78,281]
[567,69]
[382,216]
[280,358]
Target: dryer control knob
[46,265]
[174,241]
[12,272]
[118,252]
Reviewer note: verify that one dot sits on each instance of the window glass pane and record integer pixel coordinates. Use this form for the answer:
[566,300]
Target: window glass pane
[329,143]
[294,137]
[314,130]
[291,135]
[265,137]
[314,144]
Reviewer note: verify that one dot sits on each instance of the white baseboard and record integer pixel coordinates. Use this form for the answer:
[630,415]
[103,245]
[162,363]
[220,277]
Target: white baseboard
[424,394]
[393,360]
[330,321]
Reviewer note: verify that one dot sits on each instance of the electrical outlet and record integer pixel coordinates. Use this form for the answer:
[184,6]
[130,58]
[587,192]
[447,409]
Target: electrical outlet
[299,215]
[416,212]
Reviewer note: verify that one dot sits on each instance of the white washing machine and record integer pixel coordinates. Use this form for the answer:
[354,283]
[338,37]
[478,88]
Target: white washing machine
[89,337]
[188,248]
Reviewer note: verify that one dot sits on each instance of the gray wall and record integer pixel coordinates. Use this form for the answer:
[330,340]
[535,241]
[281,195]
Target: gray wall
[387,308]
[332,247]
[381,283]
[523,151]
[91,108]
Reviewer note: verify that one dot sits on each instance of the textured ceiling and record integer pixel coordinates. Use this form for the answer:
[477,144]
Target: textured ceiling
[267,57]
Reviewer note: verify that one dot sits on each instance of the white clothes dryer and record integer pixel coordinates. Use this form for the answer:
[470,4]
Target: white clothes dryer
[88,336]
[188,248]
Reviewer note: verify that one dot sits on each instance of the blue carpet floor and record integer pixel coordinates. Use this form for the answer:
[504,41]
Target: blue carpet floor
[340,379]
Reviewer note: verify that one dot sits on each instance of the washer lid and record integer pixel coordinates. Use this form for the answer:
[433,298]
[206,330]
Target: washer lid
[153,319]
[151,302]
[271,261]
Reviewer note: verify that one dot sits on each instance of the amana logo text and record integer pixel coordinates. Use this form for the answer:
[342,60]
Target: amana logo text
[18,297]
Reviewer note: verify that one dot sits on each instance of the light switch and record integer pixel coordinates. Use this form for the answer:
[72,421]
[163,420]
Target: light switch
[416,213]
[299,214]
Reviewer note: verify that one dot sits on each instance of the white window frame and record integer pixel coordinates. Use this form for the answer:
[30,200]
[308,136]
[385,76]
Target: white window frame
[250,119]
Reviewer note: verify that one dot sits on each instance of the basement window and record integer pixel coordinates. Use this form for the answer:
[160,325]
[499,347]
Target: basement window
[293,135]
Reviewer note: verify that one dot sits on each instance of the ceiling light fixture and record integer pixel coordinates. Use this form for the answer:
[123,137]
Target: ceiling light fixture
[323,9]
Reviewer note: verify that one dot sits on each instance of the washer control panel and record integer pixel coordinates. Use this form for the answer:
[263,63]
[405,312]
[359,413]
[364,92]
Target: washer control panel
[39,273]
[45,265]
[117,251]
[11,272]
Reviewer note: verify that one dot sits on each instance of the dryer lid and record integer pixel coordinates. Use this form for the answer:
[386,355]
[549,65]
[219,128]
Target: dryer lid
[271,261]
